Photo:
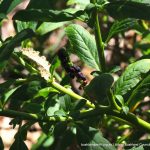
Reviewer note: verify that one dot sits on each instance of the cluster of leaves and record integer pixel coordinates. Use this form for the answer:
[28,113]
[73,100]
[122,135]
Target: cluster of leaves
[32,98]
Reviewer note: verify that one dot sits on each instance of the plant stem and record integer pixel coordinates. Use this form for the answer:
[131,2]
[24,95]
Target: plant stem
[130,117]
[100,48]
[112,101]
[99,41]
[33,117]
[71,93]
[136,121]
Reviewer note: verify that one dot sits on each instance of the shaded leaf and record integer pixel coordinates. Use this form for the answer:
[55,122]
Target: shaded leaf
[79,104]
[7,48]
[32,107]
[1,144]
[4,86]
[6,6]
[131,76]
[91,139]
[55,63]
[98,87]
[48,27]
[60,128]
[138,148]
[66,140]
[141,91]
[28,90]
[47,4]
[120,26]
[5,96]
[115,69]
[14,122]
[18,144]
[65,102]
[51,100]
[129,9]
[83,45]
[46,15]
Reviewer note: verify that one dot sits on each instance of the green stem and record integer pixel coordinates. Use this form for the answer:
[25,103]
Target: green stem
[100,48]
[99,41]
[143,24]
[131,118]
[112,101]
[71,93]
[57,76]
[33,117]
[136,121]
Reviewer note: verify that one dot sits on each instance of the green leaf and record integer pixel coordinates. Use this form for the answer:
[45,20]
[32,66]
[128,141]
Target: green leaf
[67,140]
[52,109]
[47,4]
[120,26]
[4,86]
[12,4]
[25,92]
[79,104]
[96,73]
[115,69]
[5,96]
[137,148]
[32,107]
[25,25]
[49,141]
[45,92]
[65,102]
[46,15]
[125,109]
[33,87]
[6,6]
[22,133]
[14,122]
[141,91]
[60,113]
[39,142]
[55,63]
[18,144]
[120,99]
[7,48]
[60,128]
[98,87]
[91,139]
[132,76]
[1,144]
[129,9]
[49,26]
[83,44]
[71,2]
